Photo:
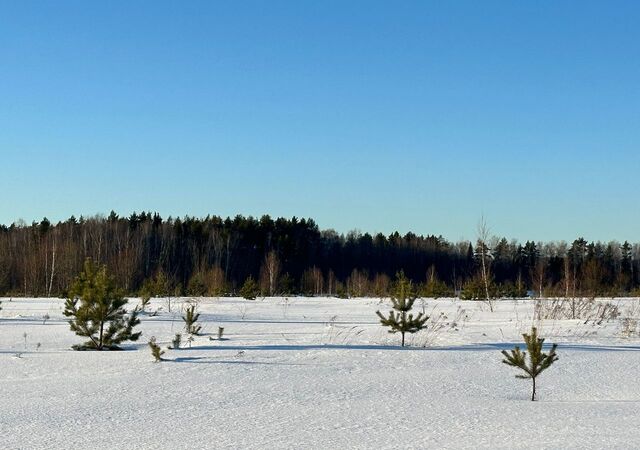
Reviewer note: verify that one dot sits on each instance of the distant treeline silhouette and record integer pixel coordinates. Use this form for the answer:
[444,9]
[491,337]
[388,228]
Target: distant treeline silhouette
[214,256]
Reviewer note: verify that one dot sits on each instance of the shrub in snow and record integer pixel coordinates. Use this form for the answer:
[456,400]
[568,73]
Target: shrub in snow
[249,289]
[155,350]
[176,341]
[190,318]
[97,310]
[402,300]
[538,361]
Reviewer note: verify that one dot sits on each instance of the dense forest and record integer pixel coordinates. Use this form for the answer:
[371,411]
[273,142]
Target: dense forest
[215,256]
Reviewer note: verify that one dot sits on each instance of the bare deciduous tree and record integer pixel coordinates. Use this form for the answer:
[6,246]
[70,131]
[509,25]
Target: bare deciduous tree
[485,255]
[270,273]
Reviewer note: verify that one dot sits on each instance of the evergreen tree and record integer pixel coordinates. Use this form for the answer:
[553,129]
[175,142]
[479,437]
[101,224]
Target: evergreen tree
[155,350]
[474,288]
[538,361]
[626,268]
[402,302]
[176,341]
[196,285]
[154,287]
[190,318]
[434,287]
[249,289]
[97,310]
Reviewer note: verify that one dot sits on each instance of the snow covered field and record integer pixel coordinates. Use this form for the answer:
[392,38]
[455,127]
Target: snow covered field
[318,373]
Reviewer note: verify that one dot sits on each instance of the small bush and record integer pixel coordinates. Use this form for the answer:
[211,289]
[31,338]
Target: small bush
[249,289]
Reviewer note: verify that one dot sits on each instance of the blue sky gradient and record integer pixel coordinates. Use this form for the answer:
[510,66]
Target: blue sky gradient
[379,116]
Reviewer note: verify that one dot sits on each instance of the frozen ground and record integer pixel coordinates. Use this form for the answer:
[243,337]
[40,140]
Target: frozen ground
[317,373]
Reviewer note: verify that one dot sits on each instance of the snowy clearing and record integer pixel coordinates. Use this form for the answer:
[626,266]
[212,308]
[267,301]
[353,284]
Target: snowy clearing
[320,373]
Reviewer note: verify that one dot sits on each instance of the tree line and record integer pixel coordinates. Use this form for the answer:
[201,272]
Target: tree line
[212,256]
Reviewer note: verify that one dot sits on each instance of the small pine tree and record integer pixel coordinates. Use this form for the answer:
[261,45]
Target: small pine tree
[97,310]
[402,302]
[474,288]
[190,318]
[434,287]
[155,350]
[249,289]
[196,285]
[176,341]
[538,361]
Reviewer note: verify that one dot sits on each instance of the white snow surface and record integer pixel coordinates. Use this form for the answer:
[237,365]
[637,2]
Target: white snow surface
[297,373]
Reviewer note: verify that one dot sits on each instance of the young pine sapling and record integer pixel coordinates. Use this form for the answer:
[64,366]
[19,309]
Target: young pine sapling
[96,308]
[402,302]
[538,361]
[249,289]
[190,318]
[176,341]
[156,352]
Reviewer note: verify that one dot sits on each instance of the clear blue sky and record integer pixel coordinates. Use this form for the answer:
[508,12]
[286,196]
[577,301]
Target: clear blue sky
[377,116]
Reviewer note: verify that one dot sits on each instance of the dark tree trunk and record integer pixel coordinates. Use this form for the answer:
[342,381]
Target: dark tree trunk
[533,393]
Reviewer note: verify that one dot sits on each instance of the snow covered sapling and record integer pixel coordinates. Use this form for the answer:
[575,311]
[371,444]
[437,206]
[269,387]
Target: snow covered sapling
[538,361]
[402,302]
[190,318]
[97,310]
[155,350]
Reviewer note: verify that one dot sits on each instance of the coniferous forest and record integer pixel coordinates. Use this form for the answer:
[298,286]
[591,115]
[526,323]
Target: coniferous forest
[212,256]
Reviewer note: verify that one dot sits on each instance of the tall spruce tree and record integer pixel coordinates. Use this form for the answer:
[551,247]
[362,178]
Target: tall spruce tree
[96,308]
[402,301]
[538,361]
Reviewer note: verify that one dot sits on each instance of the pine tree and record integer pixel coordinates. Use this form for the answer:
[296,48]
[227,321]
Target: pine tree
[97,310]
[249,289]
[402,302]
[538,361]
[434,287]
[176,341]
[155,350]
[190,318]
